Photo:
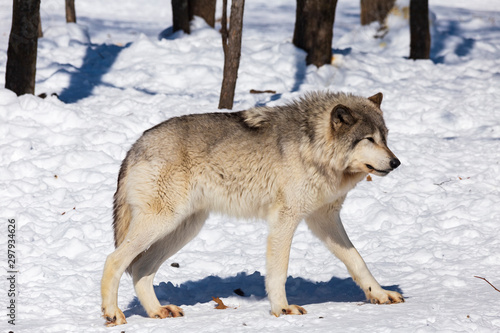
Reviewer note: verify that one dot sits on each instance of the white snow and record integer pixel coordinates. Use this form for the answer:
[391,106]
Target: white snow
[427,229]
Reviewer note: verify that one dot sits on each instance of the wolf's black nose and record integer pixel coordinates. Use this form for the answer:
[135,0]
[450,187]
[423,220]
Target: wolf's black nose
[394,163]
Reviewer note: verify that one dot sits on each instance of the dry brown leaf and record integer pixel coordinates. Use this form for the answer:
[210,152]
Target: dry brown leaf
[369,178]
[220,305]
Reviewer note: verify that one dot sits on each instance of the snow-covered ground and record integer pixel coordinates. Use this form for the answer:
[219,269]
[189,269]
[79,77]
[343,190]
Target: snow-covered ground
[426,230]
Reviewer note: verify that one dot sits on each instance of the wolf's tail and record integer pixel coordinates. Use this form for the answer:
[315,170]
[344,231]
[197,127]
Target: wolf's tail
[121,209]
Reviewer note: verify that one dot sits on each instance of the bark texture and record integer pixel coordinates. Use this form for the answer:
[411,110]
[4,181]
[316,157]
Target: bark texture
[420,37]
[314,29]
[70,11]
[231,43]
[22,50]
[375,10]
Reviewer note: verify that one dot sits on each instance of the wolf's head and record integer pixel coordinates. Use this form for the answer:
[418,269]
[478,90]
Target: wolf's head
[358,128]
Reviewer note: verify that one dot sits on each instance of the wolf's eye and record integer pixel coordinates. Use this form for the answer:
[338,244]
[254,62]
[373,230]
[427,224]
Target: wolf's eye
[371,140]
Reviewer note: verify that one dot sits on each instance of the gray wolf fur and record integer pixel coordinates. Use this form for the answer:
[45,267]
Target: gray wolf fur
[283,164]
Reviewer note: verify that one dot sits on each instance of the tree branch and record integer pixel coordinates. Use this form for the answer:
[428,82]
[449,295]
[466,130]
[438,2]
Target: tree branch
[223,30]
[482,278]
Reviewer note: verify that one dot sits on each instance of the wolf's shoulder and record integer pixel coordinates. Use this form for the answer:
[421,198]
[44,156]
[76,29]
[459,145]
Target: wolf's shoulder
[308,106]
[259,116]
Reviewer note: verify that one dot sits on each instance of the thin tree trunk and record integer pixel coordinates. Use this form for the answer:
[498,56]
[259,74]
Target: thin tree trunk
[40,31]
[184,10]
[314,30]
[70,11]
[180,12]
[420,37]
[204,9]
[231,43]
[22,50]
[375,10]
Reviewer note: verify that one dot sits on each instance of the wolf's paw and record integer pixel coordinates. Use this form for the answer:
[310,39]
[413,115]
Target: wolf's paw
[113,317]
[291,310]
[168,311]
[385,297]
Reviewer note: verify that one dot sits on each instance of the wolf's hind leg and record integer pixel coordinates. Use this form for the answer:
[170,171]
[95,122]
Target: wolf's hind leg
[144,231]
[325,223]
[115,266]
[147,264]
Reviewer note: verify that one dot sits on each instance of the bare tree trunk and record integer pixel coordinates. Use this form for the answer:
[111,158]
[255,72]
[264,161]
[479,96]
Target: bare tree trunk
[40,31]
[420,43]
[180,12]
[70,11]
[314,29]
[231,43]
[375,10]
[22,50]
[184,10]
[204,9]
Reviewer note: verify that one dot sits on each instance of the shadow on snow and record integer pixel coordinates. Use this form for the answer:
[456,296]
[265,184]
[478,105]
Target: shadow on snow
[97,62]
[299,291]
[439,40]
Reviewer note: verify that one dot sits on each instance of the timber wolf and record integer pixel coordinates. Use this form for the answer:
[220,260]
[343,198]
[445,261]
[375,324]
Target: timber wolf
[283,164]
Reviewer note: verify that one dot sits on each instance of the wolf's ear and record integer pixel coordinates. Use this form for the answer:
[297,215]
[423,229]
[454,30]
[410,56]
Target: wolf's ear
[377,99]
[341,115]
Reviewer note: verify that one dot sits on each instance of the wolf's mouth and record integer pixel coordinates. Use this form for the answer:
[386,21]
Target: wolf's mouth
[371,168]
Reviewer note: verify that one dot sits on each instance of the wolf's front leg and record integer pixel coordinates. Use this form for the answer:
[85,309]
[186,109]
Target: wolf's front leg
[325,223]
[279,241]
